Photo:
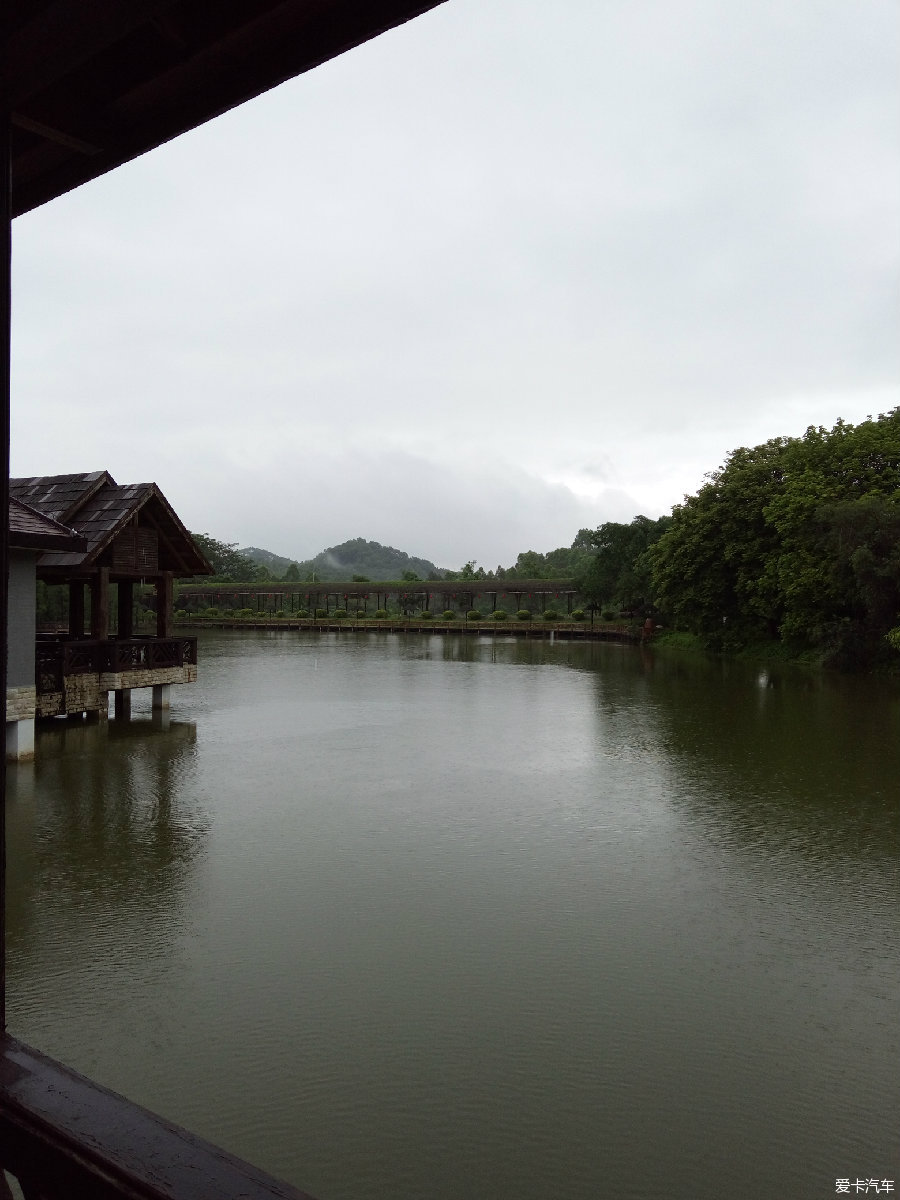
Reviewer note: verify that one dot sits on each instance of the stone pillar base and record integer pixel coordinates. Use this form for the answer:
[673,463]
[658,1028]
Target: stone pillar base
[20,740]
[161,697]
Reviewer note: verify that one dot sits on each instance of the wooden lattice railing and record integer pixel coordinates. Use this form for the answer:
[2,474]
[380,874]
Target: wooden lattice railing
[56,659]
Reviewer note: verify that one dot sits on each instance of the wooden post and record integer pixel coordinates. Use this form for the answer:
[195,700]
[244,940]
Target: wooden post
[100,604]
[125,609]
[5,323]
[165,604]
[76,609]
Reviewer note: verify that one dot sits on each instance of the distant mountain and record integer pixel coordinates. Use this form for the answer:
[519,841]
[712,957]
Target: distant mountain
[274,563]
[356,557]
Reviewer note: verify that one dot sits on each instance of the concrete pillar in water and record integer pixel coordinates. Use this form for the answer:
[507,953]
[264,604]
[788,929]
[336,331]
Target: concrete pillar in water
[122,704]
[96,715]
[20,740]
[161,697]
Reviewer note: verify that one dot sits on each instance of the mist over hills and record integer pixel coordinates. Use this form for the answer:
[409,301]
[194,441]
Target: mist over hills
[354,557]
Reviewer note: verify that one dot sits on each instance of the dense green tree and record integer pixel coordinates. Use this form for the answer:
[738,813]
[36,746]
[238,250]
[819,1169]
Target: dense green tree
[292,574]
[619,571]
[797,539]
[228,564]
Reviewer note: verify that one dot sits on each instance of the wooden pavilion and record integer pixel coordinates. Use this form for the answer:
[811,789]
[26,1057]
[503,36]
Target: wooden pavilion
[130,535]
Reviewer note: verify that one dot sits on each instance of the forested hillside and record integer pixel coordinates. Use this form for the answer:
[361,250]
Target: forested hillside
[370,559]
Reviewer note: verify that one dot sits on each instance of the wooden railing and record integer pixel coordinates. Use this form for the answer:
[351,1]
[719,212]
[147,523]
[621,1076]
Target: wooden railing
[63,1137]
[54,659]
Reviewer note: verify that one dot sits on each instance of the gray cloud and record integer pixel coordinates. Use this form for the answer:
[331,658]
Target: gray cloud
[506,270]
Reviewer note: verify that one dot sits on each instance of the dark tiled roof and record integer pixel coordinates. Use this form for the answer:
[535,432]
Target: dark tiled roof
[58,496]
[29,529]
[98,508]
[99,519]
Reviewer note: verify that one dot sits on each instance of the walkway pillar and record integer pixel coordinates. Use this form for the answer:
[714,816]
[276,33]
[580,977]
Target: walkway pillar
[165,605]
[100,605]
[161,697]
[20,740]
[122,704]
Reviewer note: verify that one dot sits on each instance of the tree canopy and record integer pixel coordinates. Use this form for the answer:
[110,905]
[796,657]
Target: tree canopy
[796,539]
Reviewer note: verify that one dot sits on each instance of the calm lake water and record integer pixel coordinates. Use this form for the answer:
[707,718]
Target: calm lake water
[423,917]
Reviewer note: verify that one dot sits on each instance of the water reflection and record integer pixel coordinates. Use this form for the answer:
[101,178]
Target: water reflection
[103,832]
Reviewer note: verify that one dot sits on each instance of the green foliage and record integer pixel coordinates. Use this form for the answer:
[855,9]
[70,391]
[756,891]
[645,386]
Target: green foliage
[607,615]
[470,571]
[292,574]
[361,579]
[523,615]
[339,614]
[302,614]
[409,576]
[448,614]
[499,614]
[321,612]
[619,569]
[796,539]
[381,614]
[229,565]
[473,614]
[212,611]
[425,614]
[550,615]
[578,614]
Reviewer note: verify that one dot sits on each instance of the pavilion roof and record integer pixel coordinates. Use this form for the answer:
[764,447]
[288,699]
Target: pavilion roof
[32,530]
[99,509]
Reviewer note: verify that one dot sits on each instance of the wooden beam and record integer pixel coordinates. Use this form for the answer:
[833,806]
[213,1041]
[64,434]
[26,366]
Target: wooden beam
[71,1137]
[165,604]
[65,35]
[5,327]
[100,604]
[54,135]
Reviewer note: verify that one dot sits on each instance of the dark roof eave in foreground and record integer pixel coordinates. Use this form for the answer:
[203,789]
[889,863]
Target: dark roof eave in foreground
[92,86]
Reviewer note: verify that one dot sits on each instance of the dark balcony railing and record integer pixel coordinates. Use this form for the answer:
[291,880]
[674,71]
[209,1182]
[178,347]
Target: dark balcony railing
[55,659]
[63,1137]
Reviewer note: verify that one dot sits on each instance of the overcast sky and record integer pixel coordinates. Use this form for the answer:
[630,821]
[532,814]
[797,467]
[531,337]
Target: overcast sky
[510,270]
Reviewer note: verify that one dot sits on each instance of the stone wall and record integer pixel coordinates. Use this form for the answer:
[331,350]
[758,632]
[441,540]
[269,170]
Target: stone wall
[114,681]
[20,703]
